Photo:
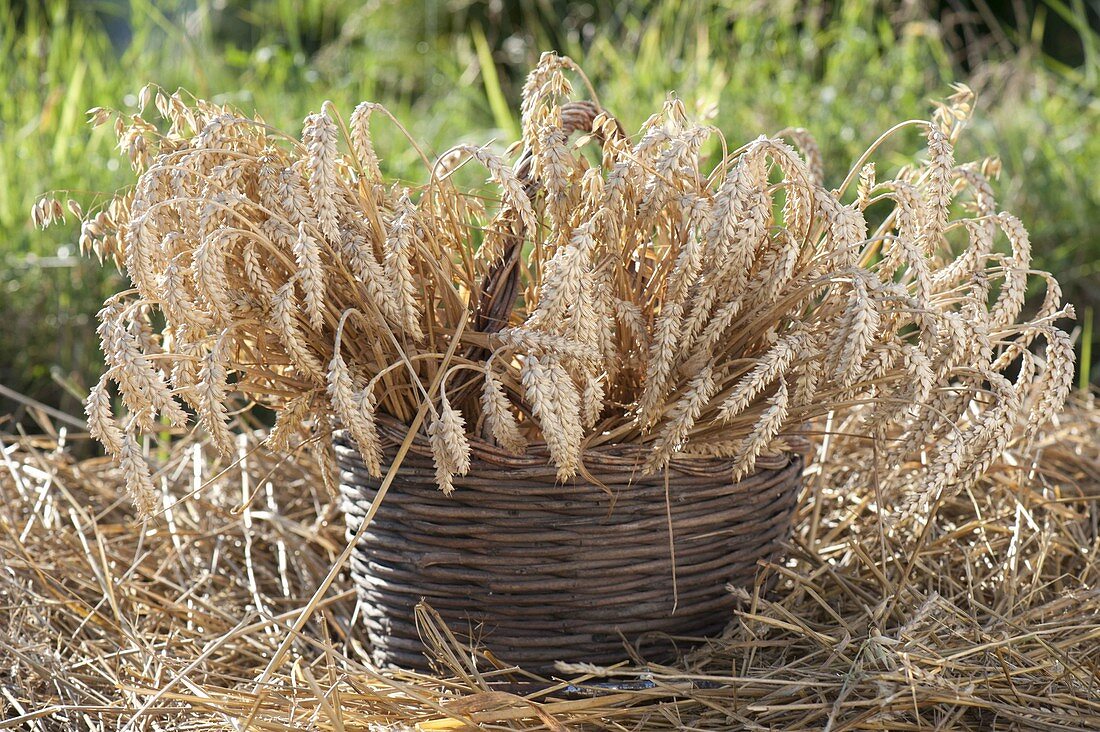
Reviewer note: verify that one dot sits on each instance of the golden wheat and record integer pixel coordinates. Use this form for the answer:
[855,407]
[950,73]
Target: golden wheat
[665,295]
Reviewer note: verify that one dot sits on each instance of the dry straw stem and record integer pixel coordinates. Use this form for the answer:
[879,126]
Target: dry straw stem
[620,289]
[980,614]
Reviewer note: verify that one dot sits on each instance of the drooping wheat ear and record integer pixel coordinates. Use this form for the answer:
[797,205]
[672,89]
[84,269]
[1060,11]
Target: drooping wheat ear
[662,351]
[799,186]
[319,135]
[682,418]
[212,392]
[808,374]
[963,453]
[920,369]
[607,334]
[741,210]
[185,345]
[294,199]
[142,385]
[450,448]
[554,166]
[1057,380]
[285,324]
[567,397]
[772,366]
[567,300]
[629,316]
[688,263]
[511,186]
[139,481]
[400,248]
[311,275]
[593,398]
[371,451]
[998,422]
[1014,286]
[1052,300]
[141,251]
[847,230]
[209,275]
[765,430]
[499,416]
[179,308]
[561,284]
[855,333]
[254,269]
[556,404]
[290,422]
[101,421]
[805,141]
[355,409]
[776,265]
[543,344]
[366,268]
[361,141]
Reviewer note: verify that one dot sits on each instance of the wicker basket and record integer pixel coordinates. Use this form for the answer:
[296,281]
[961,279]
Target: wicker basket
[537,571]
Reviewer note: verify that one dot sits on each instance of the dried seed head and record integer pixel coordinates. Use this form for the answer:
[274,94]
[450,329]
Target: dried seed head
[319,136]
[290,422]
[355,409]
[361,141]
[555,403]
[499,417]
[311,275]
[682,418]
[212,393]
[400,246]
[765,430]
[450,448]
[139,481]
[938,195]
[284,308]
[101,421]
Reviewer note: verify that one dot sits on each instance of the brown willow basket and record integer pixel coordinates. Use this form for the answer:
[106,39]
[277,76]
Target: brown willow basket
[537,571]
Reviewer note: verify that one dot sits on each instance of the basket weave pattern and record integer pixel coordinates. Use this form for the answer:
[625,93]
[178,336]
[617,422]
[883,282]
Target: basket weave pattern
[538,571]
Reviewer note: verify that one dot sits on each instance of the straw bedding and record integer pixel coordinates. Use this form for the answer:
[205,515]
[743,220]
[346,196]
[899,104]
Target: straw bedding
[984,616]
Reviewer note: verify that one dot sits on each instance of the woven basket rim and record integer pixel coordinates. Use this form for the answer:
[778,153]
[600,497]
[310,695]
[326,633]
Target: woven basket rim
[627,456]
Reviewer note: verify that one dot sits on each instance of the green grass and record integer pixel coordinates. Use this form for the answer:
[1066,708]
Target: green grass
[451,72]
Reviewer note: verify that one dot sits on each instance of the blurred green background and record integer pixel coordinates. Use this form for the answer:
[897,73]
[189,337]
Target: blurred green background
[451,71]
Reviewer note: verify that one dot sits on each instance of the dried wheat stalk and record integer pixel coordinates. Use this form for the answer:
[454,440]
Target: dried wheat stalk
[698,308]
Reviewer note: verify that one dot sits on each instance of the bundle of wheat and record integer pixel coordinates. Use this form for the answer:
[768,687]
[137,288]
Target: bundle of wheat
[623,294]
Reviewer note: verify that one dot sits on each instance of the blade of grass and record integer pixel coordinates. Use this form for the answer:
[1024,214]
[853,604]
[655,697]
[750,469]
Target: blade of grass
[502,112]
